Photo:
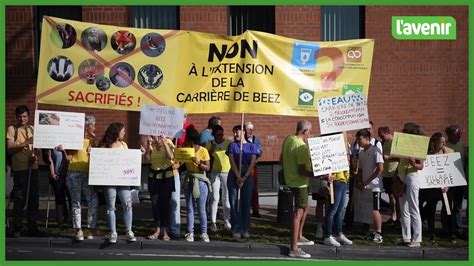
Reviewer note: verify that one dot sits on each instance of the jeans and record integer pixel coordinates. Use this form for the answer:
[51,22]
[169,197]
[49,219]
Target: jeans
[77,183]
[175,205]
[21,193]
[240,215]
[448,222]
[219,182]
[126,201]
[335,212]
[201,204]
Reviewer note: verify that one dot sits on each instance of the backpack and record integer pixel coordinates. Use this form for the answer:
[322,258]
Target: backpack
[8,156]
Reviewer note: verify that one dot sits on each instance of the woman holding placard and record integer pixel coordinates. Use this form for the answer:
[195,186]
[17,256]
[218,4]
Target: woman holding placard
[113,139]
[196,184]
[161,183]
[409,200]
[431,196]
[77,182]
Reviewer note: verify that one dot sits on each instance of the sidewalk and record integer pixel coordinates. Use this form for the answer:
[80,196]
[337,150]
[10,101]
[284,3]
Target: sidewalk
[249,250]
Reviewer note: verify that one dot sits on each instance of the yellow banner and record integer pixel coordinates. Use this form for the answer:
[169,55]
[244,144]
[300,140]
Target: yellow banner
[99,66]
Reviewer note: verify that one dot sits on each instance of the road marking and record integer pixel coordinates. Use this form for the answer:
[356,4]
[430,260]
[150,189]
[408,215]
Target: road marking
[65,252]
[218,257]
[145,255]
[24,251]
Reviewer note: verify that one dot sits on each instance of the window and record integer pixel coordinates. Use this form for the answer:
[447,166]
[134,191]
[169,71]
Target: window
[155,17]
[259,18]
[342,23]
[65,12]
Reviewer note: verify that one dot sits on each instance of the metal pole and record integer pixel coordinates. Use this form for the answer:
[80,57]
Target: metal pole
[47,208]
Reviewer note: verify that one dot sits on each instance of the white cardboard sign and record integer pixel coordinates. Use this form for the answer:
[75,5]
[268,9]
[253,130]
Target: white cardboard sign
[158,120]
[53,128]
[115,167]
[443,170]
[328,154]
[343,113]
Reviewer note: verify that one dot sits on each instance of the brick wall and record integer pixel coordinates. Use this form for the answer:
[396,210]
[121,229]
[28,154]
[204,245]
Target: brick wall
[420,81]
[425,82]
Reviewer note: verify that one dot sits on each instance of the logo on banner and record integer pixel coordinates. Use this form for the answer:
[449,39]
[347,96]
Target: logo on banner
[354,54]
[306,97]
[350,89]
[304,55]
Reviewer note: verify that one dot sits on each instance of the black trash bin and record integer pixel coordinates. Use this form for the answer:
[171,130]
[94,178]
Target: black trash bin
[285,207]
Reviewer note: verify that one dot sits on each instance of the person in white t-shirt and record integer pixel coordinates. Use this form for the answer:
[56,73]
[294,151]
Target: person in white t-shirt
[369,178]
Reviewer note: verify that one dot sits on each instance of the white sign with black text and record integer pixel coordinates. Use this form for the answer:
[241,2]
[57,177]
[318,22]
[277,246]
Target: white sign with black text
[54,128]
[115,167]
[443,170]
[328,154]
[343,113]
[158,120]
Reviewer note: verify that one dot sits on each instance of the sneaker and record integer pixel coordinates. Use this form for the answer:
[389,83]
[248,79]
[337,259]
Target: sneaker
[319,234]
[342,239]
[369,236]
[246,235]
[112,237]
[79,235]
[189,237]
[330,241]
[377,238]
[303,241]
[414,245]
[213,227]
[299,253]
[91,233]
[130,237]
[236,235]
[227,225]
[205,237]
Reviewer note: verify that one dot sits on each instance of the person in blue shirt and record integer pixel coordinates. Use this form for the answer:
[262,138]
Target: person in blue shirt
[206,134]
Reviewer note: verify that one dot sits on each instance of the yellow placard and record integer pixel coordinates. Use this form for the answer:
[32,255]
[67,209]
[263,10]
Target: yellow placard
[184,155]
[408,145]
[110,67]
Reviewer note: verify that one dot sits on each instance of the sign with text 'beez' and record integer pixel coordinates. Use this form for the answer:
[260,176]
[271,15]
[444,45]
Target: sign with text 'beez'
[115,167]
[343,113]
[158,120]
[53,128]
[328,154]
[443,170]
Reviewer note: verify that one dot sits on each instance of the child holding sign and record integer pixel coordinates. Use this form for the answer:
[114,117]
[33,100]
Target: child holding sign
[113,139]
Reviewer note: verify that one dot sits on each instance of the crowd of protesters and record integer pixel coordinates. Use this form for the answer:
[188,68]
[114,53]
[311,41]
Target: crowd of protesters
[224,170]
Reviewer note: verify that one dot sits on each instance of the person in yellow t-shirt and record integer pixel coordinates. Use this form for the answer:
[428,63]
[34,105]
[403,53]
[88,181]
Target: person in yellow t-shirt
[196,184]
[113,139]
[335,212]
[25,172]
[77,182]
[220,170]
[410,217]
[161,183]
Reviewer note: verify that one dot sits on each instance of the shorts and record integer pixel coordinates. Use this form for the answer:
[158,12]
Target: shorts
[387,184]
[376,201]
[301,197]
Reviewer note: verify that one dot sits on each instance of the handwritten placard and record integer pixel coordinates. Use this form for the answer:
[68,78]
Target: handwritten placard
[161,120]
[328,154]
[115,167]
[443,170]
[408,145]
[54,128]
[184,155]
[343,113]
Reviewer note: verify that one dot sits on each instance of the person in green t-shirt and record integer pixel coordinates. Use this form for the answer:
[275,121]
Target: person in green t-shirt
[295,159]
